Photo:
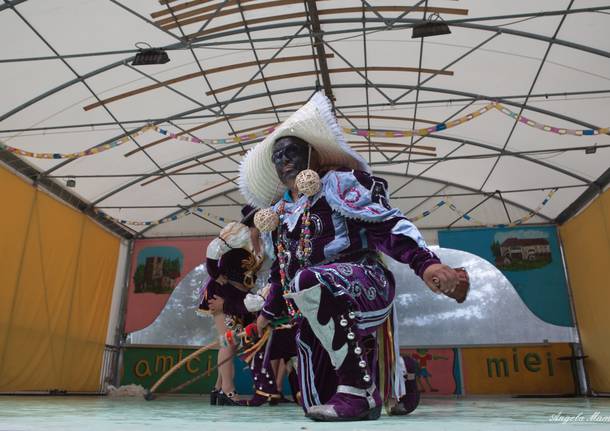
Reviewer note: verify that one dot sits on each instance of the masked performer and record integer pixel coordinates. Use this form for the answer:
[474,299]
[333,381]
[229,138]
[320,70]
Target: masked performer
[233,259]
[329,218]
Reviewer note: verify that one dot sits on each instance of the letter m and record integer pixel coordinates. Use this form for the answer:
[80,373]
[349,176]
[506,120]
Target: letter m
[497,362]
[166,360]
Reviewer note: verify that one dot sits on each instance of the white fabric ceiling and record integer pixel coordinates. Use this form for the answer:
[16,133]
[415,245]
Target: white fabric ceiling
[548,57]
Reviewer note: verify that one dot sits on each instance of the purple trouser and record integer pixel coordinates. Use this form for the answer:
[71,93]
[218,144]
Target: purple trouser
[342,305]
[279,346]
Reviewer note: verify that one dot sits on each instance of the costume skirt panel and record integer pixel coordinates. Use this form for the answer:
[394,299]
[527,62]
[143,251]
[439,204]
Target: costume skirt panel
[333,292]
[233,298]
[365,286]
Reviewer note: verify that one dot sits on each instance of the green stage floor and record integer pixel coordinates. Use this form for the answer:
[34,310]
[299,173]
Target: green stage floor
[179,413]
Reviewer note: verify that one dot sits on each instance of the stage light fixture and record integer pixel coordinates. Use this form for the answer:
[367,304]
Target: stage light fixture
[71,183]
[433,26]
[591,150]
[149,55]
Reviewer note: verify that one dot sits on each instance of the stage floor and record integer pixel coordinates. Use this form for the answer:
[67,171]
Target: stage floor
[179,413]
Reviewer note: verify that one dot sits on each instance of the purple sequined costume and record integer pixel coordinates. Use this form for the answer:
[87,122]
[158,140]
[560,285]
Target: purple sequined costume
[345,294]
[229,265]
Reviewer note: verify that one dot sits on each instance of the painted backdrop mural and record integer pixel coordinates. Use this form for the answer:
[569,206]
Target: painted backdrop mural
[438,370]
[157,267]
[529,257]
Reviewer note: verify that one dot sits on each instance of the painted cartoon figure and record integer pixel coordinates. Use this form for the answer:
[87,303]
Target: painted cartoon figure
[422,356]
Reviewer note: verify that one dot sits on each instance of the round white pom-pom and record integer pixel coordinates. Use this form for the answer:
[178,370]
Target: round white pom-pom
[266,220]
[308,182]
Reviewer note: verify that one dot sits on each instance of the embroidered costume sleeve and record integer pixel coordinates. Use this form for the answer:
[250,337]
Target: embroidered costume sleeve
[275,305]
[362,198]
[234,235]
[216,248]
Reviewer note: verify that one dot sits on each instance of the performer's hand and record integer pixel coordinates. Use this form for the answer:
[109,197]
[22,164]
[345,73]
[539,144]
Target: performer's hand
[222,279]
[440,278]
[215,304]
[261,323]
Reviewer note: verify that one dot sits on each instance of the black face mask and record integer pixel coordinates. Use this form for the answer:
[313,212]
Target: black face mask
[290,156]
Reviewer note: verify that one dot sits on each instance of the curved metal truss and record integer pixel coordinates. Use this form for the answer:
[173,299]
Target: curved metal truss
[385,174]
[311,20]
[465,95]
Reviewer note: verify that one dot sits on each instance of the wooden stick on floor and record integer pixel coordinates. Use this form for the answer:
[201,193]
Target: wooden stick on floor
[149,394]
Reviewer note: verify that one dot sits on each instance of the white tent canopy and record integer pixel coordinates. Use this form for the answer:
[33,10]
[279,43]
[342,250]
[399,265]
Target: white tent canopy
[241,67]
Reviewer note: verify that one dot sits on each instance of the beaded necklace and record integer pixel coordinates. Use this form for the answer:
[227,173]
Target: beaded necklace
[303,251]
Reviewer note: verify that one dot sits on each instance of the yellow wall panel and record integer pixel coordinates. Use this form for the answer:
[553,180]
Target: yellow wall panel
[59,230]
[94,280]
[586,241]
[26,349]
[18,198]
[54,325]
[517,370]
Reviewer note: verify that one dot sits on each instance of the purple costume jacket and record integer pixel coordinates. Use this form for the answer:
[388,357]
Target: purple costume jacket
[351,221]
[350,218]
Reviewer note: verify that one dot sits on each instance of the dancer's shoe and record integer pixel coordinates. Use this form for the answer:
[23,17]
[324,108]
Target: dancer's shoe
[348,404]
[228,399]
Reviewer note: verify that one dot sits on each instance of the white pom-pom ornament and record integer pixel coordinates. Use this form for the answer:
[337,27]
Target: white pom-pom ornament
[308,182]
[266,220]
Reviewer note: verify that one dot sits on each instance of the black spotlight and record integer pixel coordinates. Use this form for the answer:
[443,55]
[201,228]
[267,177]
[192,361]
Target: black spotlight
[433,26]
[149,55]
[591,150]
[71,183]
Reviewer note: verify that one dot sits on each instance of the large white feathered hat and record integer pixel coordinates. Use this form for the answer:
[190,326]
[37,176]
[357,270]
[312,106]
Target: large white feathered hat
[316,124]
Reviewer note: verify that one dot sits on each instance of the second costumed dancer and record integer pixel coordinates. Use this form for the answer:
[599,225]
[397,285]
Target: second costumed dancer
[328,219]
[234,261]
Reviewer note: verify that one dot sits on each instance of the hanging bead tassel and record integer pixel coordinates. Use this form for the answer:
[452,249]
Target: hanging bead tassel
[304,248]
